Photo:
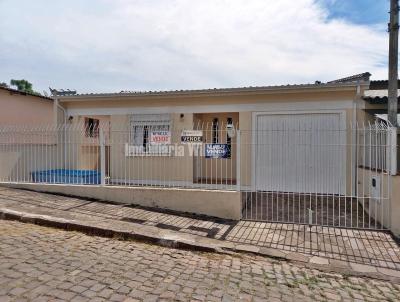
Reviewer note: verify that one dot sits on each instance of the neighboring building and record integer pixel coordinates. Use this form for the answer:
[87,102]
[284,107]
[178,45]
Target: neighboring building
[20,108]
[21,112]
[376,97]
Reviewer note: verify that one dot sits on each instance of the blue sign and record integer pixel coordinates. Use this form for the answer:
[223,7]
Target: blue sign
[217,151]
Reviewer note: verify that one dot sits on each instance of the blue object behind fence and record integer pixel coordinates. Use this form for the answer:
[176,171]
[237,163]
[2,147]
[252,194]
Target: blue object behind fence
[62,176]
[217,151]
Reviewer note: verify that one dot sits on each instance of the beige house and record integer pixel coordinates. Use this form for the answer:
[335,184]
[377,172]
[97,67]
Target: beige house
[291,153]
[320,114]
[334,105]
[20,108]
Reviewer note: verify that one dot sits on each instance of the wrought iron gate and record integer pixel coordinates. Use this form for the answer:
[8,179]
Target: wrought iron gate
[315,172]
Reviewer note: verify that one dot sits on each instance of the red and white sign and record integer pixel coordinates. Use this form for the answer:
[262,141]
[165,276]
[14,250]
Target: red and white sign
[160,138]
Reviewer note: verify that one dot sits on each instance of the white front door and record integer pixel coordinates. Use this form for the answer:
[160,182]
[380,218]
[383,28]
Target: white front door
[300,153]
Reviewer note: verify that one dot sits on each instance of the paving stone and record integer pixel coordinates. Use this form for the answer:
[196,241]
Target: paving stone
[89,293]
[275,239]
[97,287]
[66,295]
[105,293]
[332,296]
[124,290]
[78,289]
[79,299]
[102,269]
[17,291]
[117,297]
[150,298]
[5,298]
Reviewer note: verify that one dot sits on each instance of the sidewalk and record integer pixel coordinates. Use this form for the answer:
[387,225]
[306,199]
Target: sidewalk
[353,252]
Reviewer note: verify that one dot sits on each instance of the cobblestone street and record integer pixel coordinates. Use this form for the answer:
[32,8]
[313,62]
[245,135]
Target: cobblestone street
[346,246]
[44,264]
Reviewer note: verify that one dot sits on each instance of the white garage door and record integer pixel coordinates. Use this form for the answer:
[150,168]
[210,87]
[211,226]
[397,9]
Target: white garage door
[300,153]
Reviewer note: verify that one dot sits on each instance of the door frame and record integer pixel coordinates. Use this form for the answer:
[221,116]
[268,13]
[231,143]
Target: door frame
[342,125]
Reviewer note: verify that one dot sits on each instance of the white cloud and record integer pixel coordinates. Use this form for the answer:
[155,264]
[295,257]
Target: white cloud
[108,45]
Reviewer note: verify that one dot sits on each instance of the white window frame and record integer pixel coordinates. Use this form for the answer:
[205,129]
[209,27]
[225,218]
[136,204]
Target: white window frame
[151,122]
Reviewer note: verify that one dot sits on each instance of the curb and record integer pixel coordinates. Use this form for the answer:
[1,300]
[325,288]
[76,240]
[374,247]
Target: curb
[167,239]
[91,230]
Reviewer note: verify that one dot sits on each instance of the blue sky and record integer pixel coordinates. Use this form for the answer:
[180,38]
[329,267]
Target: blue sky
[369,12]
[113,45]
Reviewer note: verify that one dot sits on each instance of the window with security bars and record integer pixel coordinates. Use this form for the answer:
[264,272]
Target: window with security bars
[142,126]
[91,127]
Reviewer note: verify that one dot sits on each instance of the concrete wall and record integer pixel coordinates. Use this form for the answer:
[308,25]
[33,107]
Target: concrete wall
[395,205]
[24,150]
[222,204]
[18,161]
[18,109]
[377,208]
[387,211]
[18,146]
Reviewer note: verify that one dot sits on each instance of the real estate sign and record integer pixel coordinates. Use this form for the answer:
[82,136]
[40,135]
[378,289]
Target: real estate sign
[217,151]
[160,137]
[192,137]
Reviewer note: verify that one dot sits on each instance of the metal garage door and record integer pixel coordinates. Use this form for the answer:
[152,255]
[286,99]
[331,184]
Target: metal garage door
[300,153]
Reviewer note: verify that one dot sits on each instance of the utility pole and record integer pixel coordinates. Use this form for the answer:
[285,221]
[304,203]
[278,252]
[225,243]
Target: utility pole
[393,61]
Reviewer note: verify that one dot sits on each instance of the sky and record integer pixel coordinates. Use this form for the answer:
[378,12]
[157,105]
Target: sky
[114,45]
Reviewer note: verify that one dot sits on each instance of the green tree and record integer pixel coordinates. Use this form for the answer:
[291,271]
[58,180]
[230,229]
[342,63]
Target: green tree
[3,84]
[23,85]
